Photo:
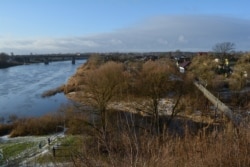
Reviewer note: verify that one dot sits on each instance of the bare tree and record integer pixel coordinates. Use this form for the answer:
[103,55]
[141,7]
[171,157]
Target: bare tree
[154,82]
[3,57]
[101,86]
[240,73]
[94,61]
[204,68]
[12,118]
[2,120]
[224,48]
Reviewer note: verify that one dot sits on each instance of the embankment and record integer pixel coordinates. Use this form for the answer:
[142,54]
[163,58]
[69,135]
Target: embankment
[73,86]
[8,64]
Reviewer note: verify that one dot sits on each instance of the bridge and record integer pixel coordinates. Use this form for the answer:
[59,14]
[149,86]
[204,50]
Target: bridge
[219,104]
[46,58]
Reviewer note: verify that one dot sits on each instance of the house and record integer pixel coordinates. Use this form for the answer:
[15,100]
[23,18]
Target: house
[202,53]
[183,66]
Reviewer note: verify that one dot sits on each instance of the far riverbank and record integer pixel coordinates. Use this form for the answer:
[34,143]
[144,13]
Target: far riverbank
[8,64]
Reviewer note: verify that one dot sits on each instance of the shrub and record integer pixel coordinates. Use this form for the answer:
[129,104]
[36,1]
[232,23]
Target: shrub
[5,129]
[129,145]
[37,126]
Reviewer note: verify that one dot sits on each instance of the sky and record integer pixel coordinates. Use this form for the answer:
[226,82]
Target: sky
[73,26]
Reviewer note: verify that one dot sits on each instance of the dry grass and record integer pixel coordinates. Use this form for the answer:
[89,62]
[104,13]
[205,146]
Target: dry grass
[130,143]
[5,129]
[126,149]
[32,126]
[131,140]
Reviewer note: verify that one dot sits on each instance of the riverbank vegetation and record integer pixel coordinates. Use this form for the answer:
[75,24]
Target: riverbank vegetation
[150,137]
[5,63]
[129,142]
[140,113]
[47,124]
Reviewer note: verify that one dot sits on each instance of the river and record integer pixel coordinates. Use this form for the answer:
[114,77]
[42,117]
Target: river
[21,88]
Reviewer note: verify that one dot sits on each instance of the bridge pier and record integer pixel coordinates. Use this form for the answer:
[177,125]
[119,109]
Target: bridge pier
[46,61]
[26,60]
[73,60]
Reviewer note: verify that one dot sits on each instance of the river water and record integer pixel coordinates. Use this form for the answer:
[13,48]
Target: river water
[21,88]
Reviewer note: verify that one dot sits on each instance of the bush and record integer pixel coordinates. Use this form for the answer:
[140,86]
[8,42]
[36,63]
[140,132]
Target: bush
[5,129]
[129,143]
[37,126]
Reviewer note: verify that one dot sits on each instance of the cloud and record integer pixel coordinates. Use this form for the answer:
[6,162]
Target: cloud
[162,41]
[182,39]
[162,33]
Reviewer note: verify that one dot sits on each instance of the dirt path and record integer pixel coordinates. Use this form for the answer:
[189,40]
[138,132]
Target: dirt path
[41,146]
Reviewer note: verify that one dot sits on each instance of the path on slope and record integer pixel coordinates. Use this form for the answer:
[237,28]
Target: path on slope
[46,147]
[219,104]
[41,146]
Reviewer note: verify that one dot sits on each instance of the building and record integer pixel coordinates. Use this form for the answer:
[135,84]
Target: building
[183,66]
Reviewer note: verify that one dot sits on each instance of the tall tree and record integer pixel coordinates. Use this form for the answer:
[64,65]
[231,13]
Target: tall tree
[224,49]
[204,68]
[3,57]
[240,73]
[155,81]
[101,85]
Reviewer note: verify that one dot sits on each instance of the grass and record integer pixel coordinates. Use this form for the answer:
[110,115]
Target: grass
[43,125]
[126,145]
[63,152]
[12,150]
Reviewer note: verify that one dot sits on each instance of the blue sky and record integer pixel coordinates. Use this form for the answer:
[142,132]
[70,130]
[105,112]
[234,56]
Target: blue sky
[62,26]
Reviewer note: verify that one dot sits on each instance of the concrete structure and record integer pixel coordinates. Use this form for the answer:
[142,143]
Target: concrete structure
[27,59]
[220,105]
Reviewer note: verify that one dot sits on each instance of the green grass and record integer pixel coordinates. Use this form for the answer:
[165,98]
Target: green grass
[12,150]
[63,153]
